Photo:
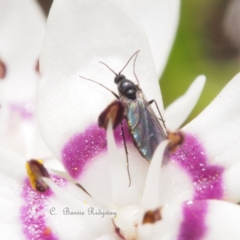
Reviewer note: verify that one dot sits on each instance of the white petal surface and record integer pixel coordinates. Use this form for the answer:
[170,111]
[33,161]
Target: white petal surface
[108,237]
[175,185]
[218,129]
[177,112]
[10,195]
[150,198]
[159,19]
[222,221]
[21,32]
[22,27]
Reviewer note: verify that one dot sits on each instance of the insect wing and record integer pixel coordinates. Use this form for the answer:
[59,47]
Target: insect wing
[144,125]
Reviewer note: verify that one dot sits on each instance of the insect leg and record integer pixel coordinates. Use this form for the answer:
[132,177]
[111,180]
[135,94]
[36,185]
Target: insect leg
[161,118]
[126,151]
[115,113]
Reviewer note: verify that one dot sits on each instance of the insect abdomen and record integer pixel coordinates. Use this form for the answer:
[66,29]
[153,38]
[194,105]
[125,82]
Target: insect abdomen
[144,128]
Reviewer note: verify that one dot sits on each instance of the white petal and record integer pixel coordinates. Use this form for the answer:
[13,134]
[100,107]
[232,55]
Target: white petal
[222,221]
[11,231]
[206,220]
[209,220]
[21,37]
[69,106]
[11,179]
[118,169]
[159,19]
[175,184]
[167,228]
[150,198]
[96,178]
[177,112]
[218,129]
[53,163]
[108,237]
[94,35]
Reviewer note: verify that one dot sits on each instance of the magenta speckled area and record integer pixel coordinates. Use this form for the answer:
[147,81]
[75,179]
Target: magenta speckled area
[207,178]
[84,146]
[193,226]
[25,111]
[33,212]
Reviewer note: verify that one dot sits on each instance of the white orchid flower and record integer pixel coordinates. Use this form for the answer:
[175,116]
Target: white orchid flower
[22,29]
[177,197]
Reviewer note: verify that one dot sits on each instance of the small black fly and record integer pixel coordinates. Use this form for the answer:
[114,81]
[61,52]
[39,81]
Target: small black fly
[147,130]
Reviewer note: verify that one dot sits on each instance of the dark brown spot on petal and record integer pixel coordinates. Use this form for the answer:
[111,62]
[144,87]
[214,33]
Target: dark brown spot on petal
[176,139]
[3,69]
[36,170]
[37,67]
[40,185]
[115,112]
[152,216]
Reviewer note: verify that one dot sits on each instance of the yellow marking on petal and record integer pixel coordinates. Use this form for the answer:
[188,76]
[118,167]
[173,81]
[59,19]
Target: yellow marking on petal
[85,202]
[32,177]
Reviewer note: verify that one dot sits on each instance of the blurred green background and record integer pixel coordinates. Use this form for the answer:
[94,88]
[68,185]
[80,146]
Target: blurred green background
[201,47]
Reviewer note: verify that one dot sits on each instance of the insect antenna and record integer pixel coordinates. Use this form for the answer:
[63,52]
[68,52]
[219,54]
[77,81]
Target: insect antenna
[108,67]
[128,61]
[100,85]
[134,64]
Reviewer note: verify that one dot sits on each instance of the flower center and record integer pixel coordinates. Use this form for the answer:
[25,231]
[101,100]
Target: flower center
[127,220]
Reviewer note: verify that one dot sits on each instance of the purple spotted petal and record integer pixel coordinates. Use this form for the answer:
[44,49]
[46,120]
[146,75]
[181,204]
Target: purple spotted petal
[207,178]
[193,226]
[83,147]
[33,212]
